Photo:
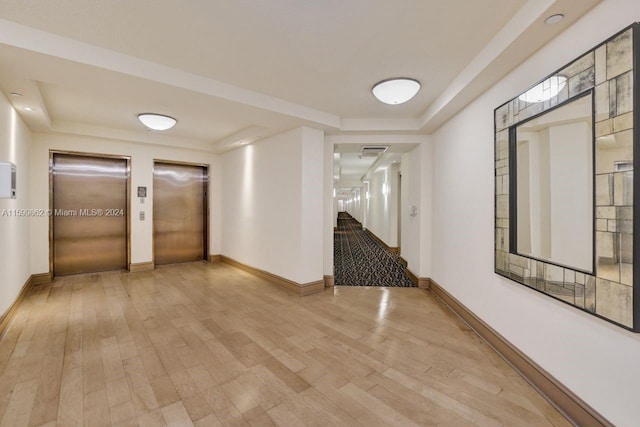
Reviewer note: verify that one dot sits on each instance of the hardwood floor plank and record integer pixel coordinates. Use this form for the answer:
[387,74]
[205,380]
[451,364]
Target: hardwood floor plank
[71,404]
[209,345]
[176,415]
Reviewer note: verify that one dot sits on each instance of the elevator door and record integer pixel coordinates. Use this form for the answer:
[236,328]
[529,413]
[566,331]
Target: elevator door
[89,214]
[179,213]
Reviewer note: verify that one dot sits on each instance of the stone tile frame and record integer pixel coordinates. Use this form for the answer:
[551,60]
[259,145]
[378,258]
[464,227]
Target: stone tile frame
[609,72]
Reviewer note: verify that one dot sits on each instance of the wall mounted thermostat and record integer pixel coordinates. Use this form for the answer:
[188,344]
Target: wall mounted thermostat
[7,180]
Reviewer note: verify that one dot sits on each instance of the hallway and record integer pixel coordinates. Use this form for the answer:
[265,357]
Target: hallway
[208,344]
[361,261]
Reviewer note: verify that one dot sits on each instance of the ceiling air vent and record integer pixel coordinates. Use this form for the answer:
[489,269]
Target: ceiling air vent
[372,150]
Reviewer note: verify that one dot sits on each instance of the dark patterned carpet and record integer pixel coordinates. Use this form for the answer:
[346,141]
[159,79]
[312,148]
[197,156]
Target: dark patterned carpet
[361,261]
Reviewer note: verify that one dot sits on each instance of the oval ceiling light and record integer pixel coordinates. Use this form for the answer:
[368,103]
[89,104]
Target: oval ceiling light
[554,19]
[396,91]
[544,90]
[157,121]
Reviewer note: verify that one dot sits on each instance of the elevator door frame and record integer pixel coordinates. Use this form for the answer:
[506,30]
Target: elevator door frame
[127,195]
[206,233]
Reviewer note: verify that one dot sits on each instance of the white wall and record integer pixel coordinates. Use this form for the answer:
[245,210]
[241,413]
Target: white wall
[595,359]
[382,209]
[353,203]
[15,141]
[330,219]
[142,157]
[416,191]
[272,205]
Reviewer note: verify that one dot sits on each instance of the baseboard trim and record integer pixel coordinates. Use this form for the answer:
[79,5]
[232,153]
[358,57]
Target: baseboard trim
[421,282]
[329,281]
[41,278]
[33,280]
[412,276]
[393,250]
[215,258]
[567,402]
[141,266]
[301,289]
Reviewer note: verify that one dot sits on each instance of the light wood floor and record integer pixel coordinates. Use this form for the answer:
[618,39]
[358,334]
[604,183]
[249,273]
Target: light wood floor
[212,345]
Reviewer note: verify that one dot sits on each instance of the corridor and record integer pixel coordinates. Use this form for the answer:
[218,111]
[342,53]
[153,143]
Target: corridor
[360,261]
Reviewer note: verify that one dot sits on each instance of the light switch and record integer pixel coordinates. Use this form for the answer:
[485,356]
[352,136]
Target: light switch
[141,215]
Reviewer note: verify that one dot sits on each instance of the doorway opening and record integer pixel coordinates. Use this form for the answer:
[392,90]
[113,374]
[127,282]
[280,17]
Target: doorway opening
[368,215]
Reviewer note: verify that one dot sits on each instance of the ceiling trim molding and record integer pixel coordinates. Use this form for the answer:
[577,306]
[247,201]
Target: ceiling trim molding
[380,125]
[387,139]
[515,28]
[35,40]
[152,138]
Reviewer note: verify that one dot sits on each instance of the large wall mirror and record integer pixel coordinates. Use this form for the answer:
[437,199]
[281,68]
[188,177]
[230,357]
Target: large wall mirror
[565,185]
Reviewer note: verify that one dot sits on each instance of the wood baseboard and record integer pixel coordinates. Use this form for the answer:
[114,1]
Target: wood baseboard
[329,281]
[141,266]
[411,276]
[567,402]
[421,282]
[33,280]
[393,250]
[41,278]
[301,289]
[215,258]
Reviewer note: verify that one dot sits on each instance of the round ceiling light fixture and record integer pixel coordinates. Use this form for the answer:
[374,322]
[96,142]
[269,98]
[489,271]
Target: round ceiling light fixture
[544,90]
[554,19]
[157,121]
[396,91]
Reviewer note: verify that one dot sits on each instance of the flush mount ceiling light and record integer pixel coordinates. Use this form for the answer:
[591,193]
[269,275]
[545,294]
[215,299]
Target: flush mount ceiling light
[157,121]
[554,19]
[544,90]
[396,91]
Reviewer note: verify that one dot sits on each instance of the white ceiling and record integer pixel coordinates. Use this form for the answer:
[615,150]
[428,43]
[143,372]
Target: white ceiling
[229,69]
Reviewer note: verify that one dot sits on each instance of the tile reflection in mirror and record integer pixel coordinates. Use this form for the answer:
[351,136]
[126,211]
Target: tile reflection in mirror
[607,255]
[619,55]
[612,150]
[614,301]
[624,97]
[604,190]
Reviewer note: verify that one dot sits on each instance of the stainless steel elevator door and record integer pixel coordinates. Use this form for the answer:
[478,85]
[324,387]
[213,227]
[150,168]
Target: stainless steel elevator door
[179,213]
[89,214]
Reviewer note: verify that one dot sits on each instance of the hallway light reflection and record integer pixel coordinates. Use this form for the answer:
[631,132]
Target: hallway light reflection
[13,137]
[383,305]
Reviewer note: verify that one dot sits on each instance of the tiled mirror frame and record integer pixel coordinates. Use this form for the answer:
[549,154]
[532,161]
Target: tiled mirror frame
[609,71]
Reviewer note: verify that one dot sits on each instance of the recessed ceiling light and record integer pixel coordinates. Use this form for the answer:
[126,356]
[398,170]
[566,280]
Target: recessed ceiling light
[29,109]
[157,121]
[554,19]
[16,94]
[396,91]
[544,90]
